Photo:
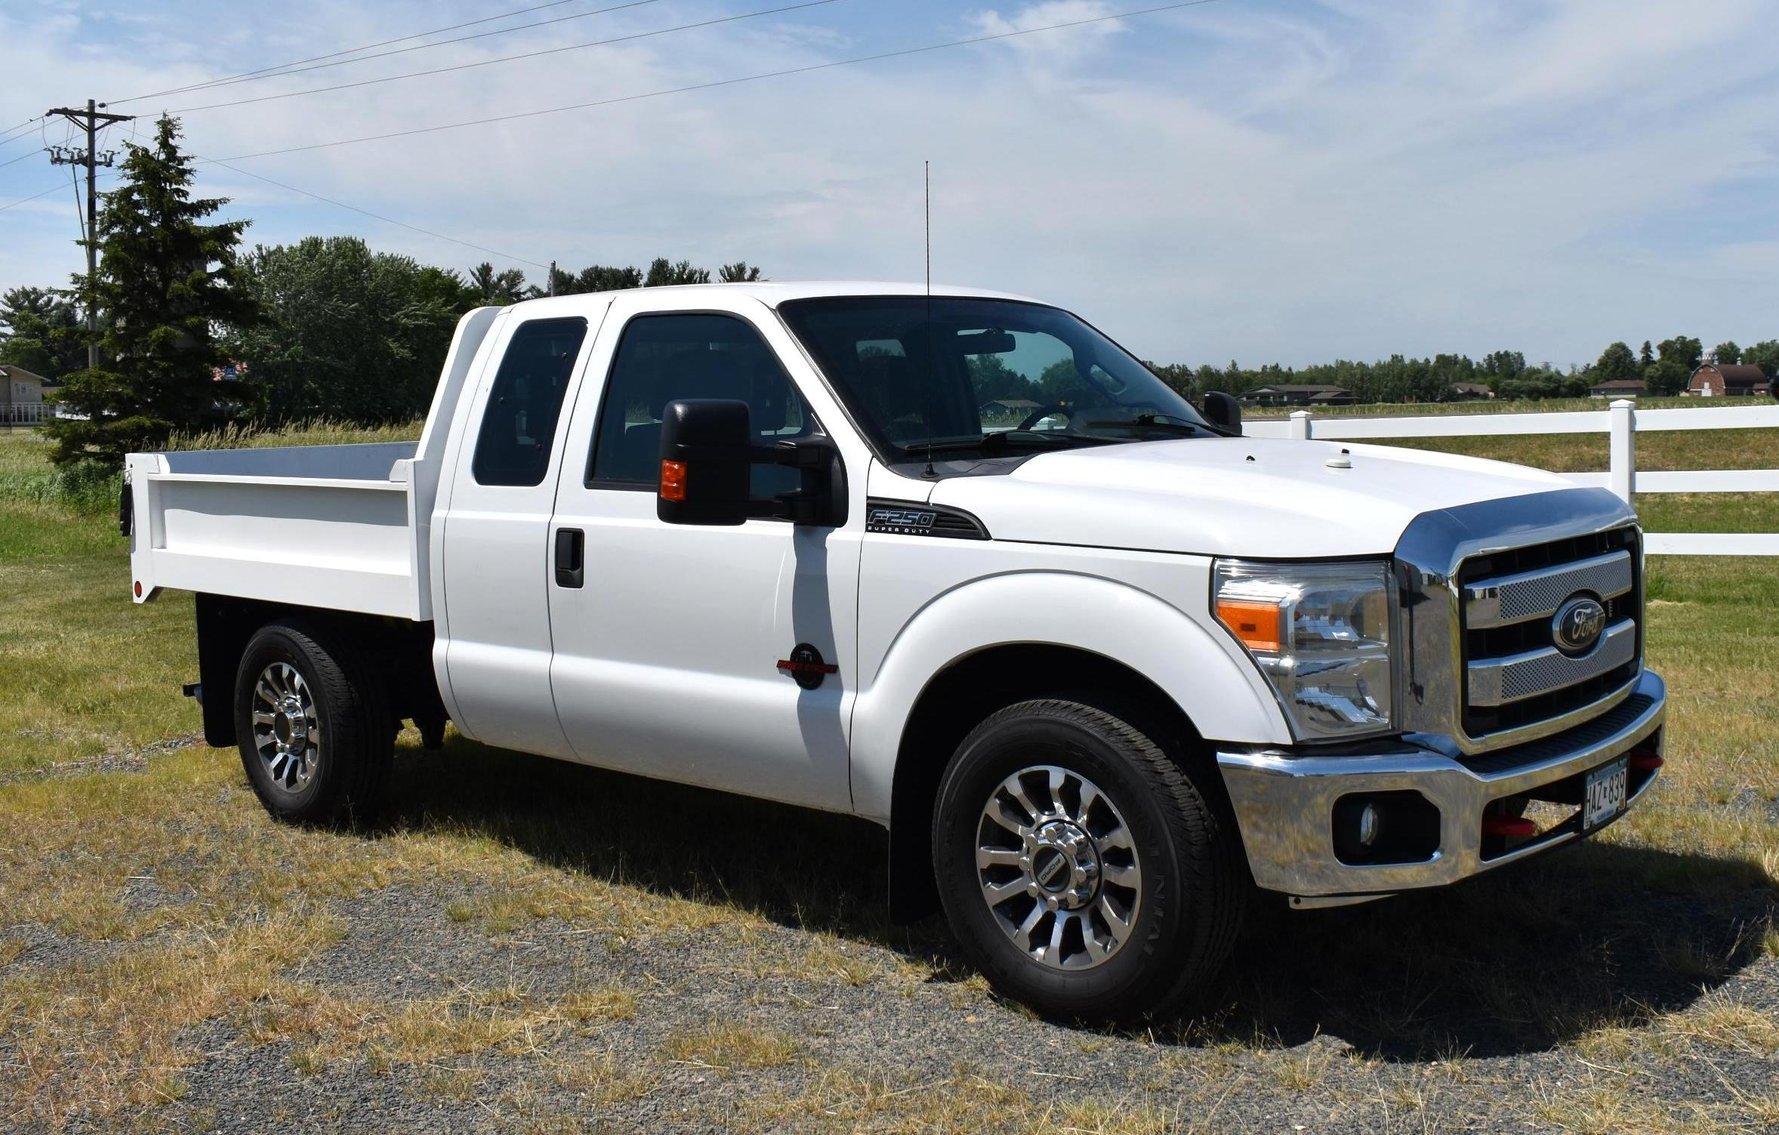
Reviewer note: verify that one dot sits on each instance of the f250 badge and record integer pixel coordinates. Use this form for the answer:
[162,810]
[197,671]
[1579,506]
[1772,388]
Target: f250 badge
[901,521]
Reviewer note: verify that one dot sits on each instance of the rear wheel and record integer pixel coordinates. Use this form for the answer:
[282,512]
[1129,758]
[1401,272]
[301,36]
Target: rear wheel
[314,725]
[1079,866]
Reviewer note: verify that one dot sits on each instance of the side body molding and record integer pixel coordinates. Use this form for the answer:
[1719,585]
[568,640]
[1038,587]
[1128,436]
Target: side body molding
[1220,691]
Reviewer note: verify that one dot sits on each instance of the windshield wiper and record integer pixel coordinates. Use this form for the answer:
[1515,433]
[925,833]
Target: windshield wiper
[1159,423]
[996,442]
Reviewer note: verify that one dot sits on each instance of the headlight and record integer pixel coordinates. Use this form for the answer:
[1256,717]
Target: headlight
[1320,633]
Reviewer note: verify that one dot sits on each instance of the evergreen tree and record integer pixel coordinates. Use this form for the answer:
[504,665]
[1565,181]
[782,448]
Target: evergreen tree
[166,284]
[495,289]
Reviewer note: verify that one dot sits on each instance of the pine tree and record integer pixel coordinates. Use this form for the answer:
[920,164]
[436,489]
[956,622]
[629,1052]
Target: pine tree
[166,286]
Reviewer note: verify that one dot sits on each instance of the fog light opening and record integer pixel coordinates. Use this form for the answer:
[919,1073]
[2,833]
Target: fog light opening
[1375,828]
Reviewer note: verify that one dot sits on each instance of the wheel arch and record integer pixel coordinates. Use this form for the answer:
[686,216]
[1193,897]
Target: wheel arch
[225,625]
[978,684]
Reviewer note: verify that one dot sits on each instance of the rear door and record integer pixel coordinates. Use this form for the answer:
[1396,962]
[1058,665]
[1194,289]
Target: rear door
[668,645]
[496,555]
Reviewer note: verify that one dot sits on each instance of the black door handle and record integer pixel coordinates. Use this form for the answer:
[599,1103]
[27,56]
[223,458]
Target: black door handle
[570,557]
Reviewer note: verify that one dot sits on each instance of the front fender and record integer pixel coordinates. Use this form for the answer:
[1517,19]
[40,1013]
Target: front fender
[1222,695]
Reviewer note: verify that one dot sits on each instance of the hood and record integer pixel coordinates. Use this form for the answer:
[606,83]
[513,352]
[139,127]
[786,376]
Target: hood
[1260,497]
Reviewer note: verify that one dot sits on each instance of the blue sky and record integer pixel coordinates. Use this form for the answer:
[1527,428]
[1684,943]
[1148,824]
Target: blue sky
[1263,180]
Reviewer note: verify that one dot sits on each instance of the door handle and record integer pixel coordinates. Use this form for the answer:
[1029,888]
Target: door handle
[570,557]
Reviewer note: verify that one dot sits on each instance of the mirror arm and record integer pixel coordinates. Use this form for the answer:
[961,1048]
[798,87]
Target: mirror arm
[818,501]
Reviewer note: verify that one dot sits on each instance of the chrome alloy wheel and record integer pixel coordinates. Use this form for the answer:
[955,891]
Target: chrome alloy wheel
[1058,868]
[286,728]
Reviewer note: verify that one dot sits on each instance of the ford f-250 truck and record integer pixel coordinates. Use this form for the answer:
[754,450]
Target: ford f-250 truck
[954,562]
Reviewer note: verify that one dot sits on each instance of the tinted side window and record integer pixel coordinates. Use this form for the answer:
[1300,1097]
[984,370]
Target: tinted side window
[664,357]
[520,421]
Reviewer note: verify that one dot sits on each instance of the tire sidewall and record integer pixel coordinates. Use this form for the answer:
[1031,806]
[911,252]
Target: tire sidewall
[1011,741]
[271,645]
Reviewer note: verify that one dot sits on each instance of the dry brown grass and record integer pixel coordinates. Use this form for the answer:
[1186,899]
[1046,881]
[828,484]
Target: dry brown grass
[725,1047]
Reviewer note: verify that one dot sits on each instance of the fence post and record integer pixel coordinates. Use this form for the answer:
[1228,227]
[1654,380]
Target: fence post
[1300,425]
[1622,449]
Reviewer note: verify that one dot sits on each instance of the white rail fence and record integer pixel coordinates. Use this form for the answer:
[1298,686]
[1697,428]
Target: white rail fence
[1622,422]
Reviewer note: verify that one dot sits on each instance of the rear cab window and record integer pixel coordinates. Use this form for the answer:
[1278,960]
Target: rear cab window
[519,423]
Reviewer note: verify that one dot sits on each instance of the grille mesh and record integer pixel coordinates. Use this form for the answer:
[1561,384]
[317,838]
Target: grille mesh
[1522,599]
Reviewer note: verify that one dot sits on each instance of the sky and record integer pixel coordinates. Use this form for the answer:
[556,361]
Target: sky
[1288,181]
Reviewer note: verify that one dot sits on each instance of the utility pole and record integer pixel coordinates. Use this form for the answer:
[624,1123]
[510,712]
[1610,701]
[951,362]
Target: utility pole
[89,120]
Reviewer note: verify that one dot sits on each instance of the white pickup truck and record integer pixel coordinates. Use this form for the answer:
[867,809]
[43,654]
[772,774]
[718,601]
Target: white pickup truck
[953,562]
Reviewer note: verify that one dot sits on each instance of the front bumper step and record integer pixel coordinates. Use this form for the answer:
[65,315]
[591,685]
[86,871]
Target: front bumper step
[1285,801]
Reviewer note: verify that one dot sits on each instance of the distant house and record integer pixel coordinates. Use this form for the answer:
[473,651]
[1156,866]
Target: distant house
[1470,391]
[21,395]
[1299,396]
[1715,380]
[1008,408]
[1618,388]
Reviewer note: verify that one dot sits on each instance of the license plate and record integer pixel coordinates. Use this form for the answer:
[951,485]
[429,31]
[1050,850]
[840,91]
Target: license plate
[1603,797]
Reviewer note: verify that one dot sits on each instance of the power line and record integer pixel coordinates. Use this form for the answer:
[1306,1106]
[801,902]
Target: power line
[509,58]
[27,200]
[373,216]
[813,67]
[297,68]
[23,131]
[20,158]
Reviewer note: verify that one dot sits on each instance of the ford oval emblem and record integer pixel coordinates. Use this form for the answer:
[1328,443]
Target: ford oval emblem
[1577,625]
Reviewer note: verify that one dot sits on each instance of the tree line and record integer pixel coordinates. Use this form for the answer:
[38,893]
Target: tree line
[1665,368]
[195,332]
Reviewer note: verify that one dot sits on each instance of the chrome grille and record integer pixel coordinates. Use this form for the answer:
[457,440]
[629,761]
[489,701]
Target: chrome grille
[1514,675]
[1478,584]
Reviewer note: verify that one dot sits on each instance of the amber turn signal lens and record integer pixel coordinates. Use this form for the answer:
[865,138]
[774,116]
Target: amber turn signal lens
[1259,625]
[673,480]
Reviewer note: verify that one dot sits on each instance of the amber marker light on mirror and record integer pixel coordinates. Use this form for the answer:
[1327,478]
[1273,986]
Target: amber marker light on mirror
[1260,626]
[673,480]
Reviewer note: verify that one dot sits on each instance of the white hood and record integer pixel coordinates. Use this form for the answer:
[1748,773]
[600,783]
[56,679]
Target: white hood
[1233,496]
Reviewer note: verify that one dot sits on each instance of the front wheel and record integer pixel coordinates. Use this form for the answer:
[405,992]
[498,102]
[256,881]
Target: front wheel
[1081,869]
[313,725]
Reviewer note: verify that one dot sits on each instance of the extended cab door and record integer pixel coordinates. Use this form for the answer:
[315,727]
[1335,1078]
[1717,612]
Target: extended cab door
[668,642]
[496,557]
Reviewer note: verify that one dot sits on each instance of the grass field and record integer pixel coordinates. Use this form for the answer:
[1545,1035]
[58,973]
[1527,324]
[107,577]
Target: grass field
[575,961]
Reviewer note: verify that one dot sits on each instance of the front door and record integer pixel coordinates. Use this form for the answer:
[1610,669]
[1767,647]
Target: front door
[667,646]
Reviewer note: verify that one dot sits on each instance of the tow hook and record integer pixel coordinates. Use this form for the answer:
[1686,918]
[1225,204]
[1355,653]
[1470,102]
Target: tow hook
[193,690]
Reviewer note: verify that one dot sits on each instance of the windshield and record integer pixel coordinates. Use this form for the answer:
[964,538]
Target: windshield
[973,377]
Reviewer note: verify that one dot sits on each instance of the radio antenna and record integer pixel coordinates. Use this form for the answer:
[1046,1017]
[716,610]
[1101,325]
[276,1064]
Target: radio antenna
[932,333]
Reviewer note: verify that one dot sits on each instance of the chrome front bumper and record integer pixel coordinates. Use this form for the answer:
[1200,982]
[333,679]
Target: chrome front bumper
[1285,801]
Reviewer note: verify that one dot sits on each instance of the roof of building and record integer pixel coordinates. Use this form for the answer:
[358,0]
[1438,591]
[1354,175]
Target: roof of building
[1013,403]
[11,371]
[1619,384]
[1736,372]
[1471,387]
[1299,389]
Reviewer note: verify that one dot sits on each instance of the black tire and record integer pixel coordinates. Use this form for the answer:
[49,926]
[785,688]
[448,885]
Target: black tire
[342,772]
[1190,891]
